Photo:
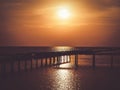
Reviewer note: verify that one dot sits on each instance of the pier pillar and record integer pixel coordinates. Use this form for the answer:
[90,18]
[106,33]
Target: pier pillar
[63,59]
[36,63]
[25,65]
[12,66]
[57,59]
[66,58]
[53,60]
[46,62]
[76,60]
[93,63]
[69,58]
[41,62]
[50,60]
[31,64]
[111,63]
[18,65]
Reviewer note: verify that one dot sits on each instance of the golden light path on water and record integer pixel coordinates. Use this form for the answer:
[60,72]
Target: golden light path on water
[62,48]
[65,79]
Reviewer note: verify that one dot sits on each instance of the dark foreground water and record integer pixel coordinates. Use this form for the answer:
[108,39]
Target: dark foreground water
[64,77]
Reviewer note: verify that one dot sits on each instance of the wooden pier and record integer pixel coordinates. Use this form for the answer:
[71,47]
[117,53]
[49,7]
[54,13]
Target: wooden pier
[53,58]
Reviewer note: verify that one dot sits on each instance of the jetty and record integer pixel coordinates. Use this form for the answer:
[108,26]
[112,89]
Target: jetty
[55,58]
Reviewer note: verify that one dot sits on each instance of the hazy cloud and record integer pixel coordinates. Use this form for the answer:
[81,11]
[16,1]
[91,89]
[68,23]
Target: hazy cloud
[17,17]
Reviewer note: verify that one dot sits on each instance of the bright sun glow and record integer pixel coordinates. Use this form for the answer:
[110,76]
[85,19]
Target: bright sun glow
[63,13]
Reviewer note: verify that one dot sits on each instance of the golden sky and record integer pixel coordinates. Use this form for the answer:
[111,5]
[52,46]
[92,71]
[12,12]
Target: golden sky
[36,23]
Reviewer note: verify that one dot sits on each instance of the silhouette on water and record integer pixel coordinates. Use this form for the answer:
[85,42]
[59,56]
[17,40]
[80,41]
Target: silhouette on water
[54,75]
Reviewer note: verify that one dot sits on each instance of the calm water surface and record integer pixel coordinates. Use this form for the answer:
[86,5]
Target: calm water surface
[64,77]
[61,77]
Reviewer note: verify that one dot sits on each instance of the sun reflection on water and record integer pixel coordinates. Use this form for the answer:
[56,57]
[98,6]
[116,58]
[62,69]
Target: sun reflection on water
[62,48]
[65,79]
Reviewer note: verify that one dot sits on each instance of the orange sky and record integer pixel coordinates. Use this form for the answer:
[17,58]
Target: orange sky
[35,23]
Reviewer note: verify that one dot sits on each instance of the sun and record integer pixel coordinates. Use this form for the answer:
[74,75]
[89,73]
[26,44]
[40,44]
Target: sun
[63,13]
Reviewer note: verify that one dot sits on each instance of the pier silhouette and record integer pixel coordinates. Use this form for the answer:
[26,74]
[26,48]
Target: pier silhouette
[55,58]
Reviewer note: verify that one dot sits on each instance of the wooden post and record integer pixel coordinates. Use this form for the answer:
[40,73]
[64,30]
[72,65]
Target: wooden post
[57,59]
[66,58]
[63,59]
[31,63]
[12,66]
[69,58]
[25,65]
[76,60]
[50,60]
[18,65]
[93,61]
[36,63]
[53,60]
[46,62]
[60,59]
[41,62]
[112,58]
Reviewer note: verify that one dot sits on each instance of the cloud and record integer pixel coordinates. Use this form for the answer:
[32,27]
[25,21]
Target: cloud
[102,4]
[18,16]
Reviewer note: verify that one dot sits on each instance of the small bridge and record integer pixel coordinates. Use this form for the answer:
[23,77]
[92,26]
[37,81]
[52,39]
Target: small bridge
[53,58]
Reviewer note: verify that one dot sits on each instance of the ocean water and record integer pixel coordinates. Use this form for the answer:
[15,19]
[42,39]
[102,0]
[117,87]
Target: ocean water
[63,77]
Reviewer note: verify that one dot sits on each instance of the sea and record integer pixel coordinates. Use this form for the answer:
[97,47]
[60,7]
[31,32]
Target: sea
[63,77]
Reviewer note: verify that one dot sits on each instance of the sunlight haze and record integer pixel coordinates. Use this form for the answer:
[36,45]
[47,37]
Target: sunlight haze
[75,23]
